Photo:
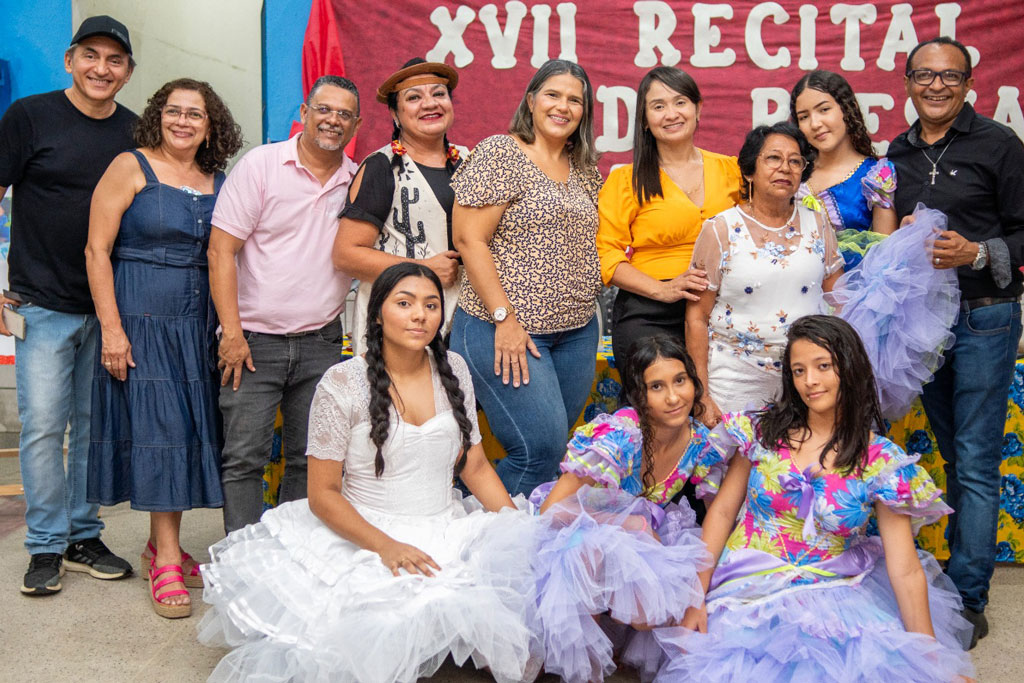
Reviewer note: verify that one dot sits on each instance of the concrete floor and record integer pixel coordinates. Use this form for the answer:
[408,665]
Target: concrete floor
[106,631]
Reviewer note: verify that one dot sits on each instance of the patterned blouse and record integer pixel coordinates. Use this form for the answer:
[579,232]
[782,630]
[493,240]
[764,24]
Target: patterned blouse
[544,246]
[609,450]
[803,517]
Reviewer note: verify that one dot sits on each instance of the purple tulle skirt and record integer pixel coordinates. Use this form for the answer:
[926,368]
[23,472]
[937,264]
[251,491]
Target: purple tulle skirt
[903,308]
[597,570]
[841,630]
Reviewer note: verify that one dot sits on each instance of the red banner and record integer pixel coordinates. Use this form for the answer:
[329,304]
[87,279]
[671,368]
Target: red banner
[745,56]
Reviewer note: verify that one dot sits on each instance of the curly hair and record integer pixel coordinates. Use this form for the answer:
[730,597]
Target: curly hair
[839,89]
[377,372]
[754,143]
[642,354]
[225,135]
[858,411]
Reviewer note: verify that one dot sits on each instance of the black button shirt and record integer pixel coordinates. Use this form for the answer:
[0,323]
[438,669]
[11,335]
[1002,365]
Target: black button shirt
[979,186]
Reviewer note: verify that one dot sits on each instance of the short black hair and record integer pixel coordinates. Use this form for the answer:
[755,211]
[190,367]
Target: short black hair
[754,143]
[941,40]
[337,82]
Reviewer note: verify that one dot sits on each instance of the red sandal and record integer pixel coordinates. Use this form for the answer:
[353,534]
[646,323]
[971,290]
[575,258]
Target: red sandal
[194,575]
[171,574]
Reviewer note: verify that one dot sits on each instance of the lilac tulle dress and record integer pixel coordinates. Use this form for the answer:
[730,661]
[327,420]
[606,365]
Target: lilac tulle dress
[903,309]
[595,556]
[801,591]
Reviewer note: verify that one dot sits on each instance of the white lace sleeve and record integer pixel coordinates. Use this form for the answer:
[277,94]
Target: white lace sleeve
[461,371]
[330,417]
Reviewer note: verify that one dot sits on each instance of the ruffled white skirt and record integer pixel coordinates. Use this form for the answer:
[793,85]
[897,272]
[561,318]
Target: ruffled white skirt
[299,603]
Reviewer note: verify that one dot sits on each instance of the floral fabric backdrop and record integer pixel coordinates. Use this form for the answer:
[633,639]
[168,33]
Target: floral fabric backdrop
[912,433]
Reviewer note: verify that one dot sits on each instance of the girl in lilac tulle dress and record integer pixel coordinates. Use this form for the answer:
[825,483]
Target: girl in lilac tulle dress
[902,307]
[615,555]
[801,591]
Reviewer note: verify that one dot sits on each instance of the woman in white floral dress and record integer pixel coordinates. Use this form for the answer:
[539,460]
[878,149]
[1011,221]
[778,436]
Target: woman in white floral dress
[769,261]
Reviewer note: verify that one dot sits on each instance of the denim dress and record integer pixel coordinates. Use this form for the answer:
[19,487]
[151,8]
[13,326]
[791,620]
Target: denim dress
[156,437]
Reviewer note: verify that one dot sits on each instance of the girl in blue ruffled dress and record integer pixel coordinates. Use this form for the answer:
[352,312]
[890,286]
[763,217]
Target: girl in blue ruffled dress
[801,591]
[616,556]
[891,293]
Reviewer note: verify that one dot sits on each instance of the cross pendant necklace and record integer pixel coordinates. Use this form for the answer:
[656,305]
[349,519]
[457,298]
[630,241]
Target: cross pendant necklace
[935,164]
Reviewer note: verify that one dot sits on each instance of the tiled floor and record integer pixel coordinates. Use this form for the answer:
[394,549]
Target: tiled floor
[106,631]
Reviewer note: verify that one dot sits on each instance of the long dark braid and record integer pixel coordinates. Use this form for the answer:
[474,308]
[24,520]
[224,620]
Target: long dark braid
[456,397]
[380,390]
[641,355]
[376,370]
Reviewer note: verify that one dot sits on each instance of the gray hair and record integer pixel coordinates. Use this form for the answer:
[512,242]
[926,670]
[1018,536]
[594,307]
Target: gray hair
[337,82]
[581,142]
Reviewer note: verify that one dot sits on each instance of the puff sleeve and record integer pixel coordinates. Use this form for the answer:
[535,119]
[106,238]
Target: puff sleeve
[488,177]
[606,449]
[879,184]
[897,481]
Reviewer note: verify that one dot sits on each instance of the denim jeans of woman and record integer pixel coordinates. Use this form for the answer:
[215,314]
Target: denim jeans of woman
[531,421]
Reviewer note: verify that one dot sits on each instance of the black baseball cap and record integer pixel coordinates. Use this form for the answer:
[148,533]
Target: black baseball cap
[103,25]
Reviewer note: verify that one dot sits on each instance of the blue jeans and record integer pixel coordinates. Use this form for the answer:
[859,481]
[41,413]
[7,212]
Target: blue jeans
[966,406]
[531,421]
[53,370]
[288,369]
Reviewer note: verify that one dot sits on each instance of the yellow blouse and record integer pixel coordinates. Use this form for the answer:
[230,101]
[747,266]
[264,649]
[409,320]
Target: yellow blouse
[662,232]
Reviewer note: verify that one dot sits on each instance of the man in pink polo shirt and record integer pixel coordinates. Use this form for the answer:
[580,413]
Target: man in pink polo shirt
[277,293]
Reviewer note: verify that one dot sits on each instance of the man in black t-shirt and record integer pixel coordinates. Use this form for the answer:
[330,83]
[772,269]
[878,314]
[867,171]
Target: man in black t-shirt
[53,149]
[969,167]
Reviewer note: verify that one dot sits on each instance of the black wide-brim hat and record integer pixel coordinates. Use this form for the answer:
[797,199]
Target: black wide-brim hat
[406,77]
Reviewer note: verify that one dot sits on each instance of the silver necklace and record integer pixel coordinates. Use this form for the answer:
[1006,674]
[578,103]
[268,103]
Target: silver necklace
[935,164]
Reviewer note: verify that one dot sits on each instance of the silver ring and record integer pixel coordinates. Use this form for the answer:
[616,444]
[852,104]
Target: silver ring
[936,260]
[108,363]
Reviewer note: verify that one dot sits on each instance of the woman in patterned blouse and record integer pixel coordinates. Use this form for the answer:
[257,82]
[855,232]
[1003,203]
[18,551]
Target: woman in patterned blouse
[525,222]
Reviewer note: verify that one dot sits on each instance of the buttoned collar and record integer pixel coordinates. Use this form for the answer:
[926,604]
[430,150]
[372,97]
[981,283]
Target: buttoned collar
[961,125]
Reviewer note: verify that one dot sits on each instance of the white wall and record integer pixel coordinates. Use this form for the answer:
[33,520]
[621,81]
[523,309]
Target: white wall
[217,41]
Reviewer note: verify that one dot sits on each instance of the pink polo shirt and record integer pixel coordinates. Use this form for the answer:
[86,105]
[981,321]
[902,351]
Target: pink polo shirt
[286,281]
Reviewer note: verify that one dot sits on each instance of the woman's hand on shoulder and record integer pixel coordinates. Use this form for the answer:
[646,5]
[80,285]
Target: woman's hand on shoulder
[397,556]
[687,286]
[712,413]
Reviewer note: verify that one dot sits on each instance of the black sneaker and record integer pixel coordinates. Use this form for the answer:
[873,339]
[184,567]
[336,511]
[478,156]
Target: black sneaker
[43,575]
[95,558]
[980,623]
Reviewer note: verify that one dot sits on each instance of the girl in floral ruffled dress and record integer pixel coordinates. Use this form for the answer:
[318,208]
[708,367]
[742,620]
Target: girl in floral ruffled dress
[800,590]
[615,555]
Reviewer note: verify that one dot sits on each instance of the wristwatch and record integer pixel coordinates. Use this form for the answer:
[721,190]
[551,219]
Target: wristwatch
[981,260]
[500,313]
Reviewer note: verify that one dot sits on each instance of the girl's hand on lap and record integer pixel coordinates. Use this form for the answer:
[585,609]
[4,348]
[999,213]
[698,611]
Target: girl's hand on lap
[696,618]
[397,556]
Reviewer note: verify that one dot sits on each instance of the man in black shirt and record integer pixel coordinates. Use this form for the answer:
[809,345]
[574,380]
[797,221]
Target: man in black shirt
[969,167]
[53,149]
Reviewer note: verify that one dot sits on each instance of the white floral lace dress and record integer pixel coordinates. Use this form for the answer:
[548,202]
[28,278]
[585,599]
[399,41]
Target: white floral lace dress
[765,278]
[298,602]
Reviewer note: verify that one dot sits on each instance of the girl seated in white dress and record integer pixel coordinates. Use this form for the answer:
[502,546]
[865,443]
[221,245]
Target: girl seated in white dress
[384,571]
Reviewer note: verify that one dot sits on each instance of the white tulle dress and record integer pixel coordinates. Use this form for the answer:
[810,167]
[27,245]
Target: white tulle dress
[299,603]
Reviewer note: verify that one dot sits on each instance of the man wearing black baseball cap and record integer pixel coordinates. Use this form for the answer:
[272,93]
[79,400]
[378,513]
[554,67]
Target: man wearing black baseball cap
[53,149]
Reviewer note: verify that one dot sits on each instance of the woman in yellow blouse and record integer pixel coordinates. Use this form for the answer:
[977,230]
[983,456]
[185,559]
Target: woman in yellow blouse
[656,206]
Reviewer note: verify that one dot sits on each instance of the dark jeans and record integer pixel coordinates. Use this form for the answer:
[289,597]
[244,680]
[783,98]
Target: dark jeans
[288,369]
[531,421]
[966,406]
[637,317]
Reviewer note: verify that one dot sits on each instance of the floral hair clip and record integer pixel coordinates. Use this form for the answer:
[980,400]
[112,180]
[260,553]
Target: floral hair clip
[453,152]
[398,149]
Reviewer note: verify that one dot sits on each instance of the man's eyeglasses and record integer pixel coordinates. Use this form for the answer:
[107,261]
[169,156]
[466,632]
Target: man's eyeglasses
[193,115]
[950,77]
[774,161]
[343,114]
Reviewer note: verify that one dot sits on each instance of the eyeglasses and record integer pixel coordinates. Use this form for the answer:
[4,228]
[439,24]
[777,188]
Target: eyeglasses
[343,114]
[775,161]
[193,115]
[950,77]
